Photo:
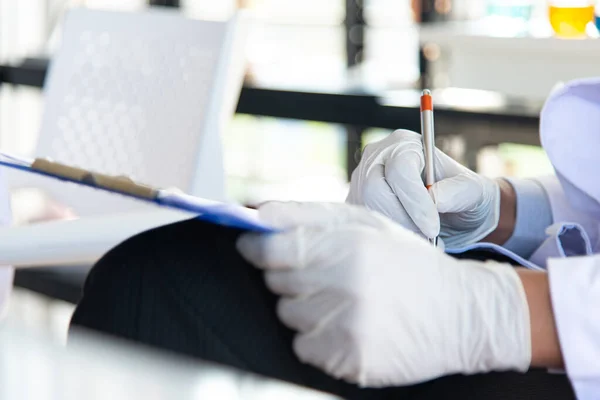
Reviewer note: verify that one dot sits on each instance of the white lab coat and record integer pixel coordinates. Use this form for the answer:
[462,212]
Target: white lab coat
[570,134]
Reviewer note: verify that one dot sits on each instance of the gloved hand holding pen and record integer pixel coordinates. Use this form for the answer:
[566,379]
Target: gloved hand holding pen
[465,207]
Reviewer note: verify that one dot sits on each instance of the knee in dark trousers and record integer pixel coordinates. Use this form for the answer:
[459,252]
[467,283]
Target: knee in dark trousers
[185,289]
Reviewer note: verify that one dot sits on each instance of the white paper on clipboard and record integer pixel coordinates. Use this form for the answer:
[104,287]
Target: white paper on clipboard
[79,241]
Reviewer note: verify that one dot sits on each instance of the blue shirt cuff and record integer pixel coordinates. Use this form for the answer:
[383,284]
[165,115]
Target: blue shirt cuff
[534,215]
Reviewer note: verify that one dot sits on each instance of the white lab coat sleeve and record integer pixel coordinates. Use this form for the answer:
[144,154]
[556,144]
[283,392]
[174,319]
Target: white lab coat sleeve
[6,272]
[564,240]
[563,211]
[575,292]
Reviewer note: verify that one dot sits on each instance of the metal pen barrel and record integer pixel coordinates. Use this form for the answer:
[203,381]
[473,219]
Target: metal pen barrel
[428,138]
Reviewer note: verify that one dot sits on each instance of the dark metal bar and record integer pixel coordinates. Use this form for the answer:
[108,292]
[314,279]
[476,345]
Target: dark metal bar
[355,27]
[165,3]
[341,107]
[31,72]
[424,70]
[433,10]
[429,11]
[312,106]
[354,135]
[355,32]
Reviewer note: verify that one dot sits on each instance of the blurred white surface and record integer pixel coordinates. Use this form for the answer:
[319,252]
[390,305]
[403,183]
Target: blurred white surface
[34,367]
[39,313]
[510,59]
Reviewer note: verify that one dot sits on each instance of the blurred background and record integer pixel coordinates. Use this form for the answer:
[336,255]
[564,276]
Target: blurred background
[326,77]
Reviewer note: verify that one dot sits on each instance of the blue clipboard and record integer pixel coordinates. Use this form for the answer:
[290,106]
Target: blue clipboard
[216,213]
[213,212]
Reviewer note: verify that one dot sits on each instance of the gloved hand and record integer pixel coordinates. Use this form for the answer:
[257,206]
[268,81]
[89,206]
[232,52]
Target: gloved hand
[376,305]
[462,207]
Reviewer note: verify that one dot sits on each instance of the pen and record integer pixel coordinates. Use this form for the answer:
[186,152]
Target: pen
[428,137]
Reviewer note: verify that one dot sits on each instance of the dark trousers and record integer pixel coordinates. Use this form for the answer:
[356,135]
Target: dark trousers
[184,288]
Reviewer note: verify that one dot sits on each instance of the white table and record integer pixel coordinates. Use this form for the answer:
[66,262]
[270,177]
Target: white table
[33,367]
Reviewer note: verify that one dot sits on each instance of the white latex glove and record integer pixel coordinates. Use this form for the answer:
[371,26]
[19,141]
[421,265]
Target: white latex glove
[389,179]
[376,305]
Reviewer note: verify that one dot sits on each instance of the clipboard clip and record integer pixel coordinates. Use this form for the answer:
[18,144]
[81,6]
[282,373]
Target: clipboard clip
[121,184]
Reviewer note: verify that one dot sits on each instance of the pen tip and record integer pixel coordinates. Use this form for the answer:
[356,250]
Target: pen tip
[426,92]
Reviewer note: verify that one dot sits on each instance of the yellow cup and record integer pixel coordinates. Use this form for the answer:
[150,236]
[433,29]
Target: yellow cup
[570,21]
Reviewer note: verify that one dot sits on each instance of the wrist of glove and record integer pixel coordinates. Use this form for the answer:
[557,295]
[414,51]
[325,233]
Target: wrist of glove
[462,207]
[462,220]
[376,305]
